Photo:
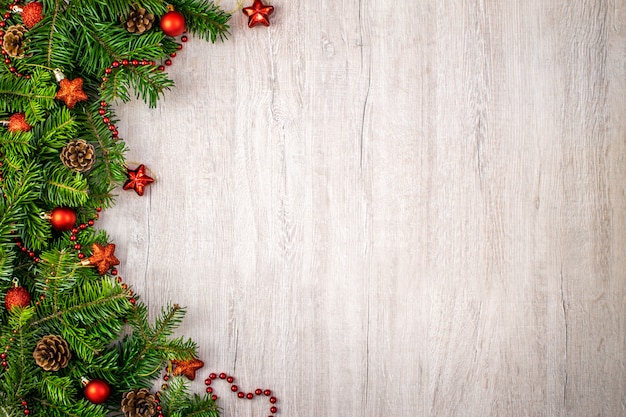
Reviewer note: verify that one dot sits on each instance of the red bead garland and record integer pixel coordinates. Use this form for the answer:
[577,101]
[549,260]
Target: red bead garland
[208,382]
[235,389]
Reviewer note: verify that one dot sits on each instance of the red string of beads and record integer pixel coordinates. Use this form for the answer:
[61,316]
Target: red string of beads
[240,394]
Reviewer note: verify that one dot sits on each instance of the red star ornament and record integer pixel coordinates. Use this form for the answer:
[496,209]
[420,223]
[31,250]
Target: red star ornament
[102,257]
[258,14]
[137,179]
[71,92]
[187,368]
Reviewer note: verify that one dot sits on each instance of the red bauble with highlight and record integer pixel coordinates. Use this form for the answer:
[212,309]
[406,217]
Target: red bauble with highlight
[97,391]
[63,219]
[173,23]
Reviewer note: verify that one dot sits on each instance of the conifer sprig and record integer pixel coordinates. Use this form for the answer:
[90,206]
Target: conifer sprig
[105,325]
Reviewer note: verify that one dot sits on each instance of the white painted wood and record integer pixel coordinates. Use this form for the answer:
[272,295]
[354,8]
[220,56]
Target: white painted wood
[394,208]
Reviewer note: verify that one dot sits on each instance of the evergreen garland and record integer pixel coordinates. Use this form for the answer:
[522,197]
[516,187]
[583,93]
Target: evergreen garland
[102,321]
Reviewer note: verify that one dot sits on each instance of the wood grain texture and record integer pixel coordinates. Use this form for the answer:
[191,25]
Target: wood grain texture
[404,209]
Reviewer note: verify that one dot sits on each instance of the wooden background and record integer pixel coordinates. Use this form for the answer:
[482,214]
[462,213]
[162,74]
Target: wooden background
[381,208]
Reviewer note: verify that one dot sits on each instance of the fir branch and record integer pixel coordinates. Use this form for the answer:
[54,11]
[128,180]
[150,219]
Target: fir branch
[164,327]
[85,347]
[57,274]
[108,171]
[148,84]
[56,130]
[6,263]
[21,374]
[177,401]
[36,231]
[52,31]
[33,97]
[201,407]
[60,390]
[64,187]
[116,10]
[81,408]
[175,396]
[85,309]
[16,145]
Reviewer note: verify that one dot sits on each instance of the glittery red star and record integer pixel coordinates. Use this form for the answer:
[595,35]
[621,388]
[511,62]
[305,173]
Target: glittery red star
[71,92]
[18,123]
[102,257]
[258,14]
[187,368]
[137,179]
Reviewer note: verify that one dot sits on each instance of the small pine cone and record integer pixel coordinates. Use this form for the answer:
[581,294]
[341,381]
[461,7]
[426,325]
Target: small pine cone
[14,41]
[78,155]
[139,403]
[52,353]
[139,20]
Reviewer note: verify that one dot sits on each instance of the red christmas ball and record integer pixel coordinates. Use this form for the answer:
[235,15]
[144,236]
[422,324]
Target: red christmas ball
[18,123]
[97,391]
[63,218]
[32,14]
[16,297]
[173,23]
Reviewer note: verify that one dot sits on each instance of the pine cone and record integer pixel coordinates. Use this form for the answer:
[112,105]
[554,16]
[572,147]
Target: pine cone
[78,155]
[52,353]
[139,20]
[139,403]
[14,41]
